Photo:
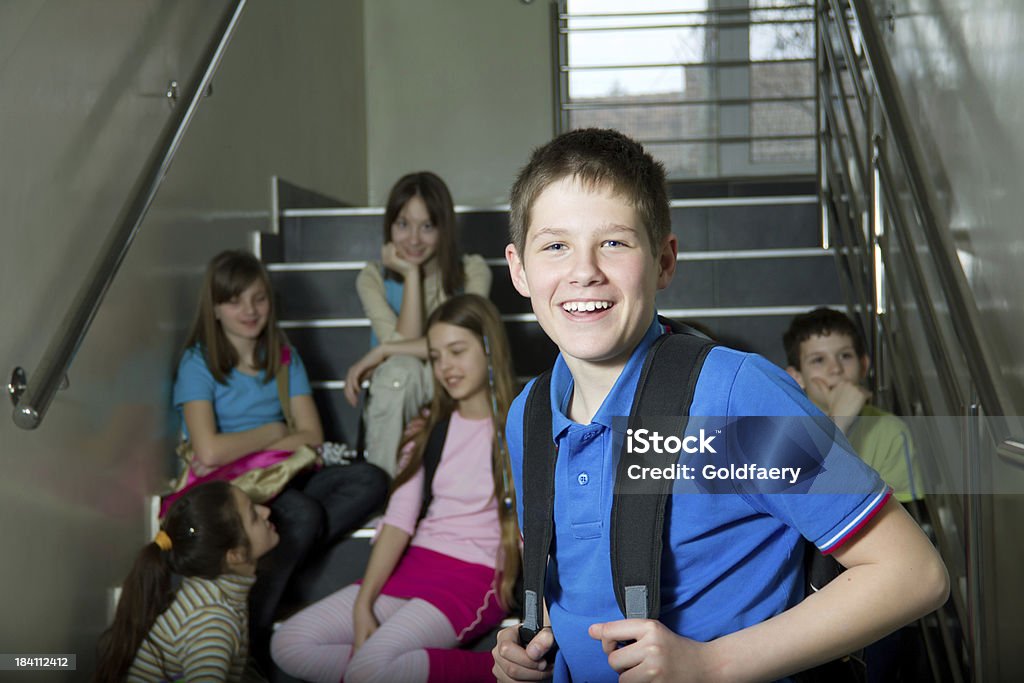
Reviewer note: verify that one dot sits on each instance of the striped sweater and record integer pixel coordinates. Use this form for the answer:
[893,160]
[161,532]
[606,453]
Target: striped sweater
[203,635]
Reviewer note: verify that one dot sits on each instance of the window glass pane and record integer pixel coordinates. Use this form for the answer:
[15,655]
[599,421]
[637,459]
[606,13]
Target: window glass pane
[683,77]
[660,42]
[651,122]
[780,31]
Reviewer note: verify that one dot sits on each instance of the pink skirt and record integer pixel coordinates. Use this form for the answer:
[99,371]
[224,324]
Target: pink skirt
[466,593]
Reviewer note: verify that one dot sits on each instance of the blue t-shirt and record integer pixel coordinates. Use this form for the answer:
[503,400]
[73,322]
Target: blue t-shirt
[393,293]
[729,560]
[245,402]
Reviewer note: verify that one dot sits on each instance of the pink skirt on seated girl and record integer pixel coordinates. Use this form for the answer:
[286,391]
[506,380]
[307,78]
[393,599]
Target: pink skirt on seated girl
[466,593]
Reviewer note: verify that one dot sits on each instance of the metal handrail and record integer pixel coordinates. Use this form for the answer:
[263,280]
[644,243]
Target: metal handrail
[767,137]
[33,399]
[983,396]
[668,13]
[965,315]
[703,25]
[584,105]
[1012,451]
[722,63]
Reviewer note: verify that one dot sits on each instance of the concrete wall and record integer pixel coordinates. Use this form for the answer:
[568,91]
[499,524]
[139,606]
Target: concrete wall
[460,87]
[82,106]
[341,97]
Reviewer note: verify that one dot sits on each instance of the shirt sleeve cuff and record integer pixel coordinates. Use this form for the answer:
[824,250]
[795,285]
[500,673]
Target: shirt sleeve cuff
[850,529]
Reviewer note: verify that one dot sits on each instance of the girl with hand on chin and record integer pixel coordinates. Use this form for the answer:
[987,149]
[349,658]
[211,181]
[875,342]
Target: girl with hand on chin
[446,556]
[226,389]
[420,269]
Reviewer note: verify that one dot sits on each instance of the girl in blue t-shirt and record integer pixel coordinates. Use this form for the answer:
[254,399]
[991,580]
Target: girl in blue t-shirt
[226,391]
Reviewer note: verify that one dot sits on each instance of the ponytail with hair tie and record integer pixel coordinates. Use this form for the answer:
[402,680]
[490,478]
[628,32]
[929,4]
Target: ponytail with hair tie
[148,589]
[163,541]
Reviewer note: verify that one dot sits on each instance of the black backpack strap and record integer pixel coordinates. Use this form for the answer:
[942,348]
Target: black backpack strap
[662,403]
[431,459]
[538,496]
[677,327]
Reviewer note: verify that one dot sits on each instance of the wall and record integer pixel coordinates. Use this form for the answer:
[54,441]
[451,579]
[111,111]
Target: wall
[339,96]
[461,87]
[961,67]
[82,105]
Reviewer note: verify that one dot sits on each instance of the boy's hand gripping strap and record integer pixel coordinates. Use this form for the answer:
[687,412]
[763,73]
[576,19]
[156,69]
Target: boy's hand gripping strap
[661,404]
[539,456]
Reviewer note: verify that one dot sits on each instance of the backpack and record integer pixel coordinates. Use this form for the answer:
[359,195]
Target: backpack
[431,459]
[667,382]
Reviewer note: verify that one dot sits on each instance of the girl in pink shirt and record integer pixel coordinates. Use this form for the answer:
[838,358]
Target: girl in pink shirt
[444,561]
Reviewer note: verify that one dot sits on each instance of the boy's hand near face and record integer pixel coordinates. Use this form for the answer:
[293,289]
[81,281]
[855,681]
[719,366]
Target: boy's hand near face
[842,402]
[657,655]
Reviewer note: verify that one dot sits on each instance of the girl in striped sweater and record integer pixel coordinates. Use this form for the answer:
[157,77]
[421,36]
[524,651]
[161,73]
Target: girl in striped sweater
[211,539]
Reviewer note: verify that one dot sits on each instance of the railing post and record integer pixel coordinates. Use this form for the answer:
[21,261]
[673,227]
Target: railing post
[876,128]
[824,188]
[972,537]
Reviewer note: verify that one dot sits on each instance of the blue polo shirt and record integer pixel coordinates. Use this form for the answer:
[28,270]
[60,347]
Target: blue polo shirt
[729,560]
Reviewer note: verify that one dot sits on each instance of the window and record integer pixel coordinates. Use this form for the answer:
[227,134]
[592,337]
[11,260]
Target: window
[712,87]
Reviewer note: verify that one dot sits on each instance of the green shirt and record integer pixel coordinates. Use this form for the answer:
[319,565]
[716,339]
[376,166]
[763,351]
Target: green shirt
[883,441]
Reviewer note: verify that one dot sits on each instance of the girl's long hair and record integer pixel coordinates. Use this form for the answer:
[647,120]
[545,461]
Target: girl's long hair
[431,189]
[229,274]
[479,316]
[203,526]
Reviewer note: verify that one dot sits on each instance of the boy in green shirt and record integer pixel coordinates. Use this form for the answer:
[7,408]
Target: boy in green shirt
[825,355]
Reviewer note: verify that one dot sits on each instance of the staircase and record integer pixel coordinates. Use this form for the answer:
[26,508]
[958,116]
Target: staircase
[747,264]
[750,259]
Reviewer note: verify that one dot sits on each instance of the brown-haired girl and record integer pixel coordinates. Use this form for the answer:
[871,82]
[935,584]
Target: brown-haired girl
[226,390]
[212,537]
[441,576]
[420,268]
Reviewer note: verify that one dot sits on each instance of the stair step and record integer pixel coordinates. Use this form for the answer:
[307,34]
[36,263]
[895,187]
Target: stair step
[311,235]
[755,329]
[330,292]
[308,296]
[329,347]
[746,266]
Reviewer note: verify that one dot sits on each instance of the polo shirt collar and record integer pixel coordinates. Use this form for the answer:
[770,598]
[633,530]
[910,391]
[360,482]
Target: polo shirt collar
[618,401]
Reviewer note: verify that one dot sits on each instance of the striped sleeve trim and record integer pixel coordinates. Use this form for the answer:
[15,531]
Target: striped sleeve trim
[855,524]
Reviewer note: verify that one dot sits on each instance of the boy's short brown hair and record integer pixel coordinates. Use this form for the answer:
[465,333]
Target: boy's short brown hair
[594,156]
[821,322]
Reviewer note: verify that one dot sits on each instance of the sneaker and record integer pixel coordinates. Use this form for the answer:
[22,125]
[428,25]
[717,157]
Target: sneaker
[334,453]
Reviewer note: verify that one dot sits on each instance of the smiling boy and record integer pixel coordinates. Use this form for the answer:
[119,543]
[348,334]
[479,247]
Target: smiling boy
[826,357]
[591,246]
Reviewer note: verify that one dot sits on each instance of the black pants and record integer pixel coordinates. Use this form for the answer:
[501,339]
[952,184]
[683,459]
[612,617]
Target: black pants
[315,511]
